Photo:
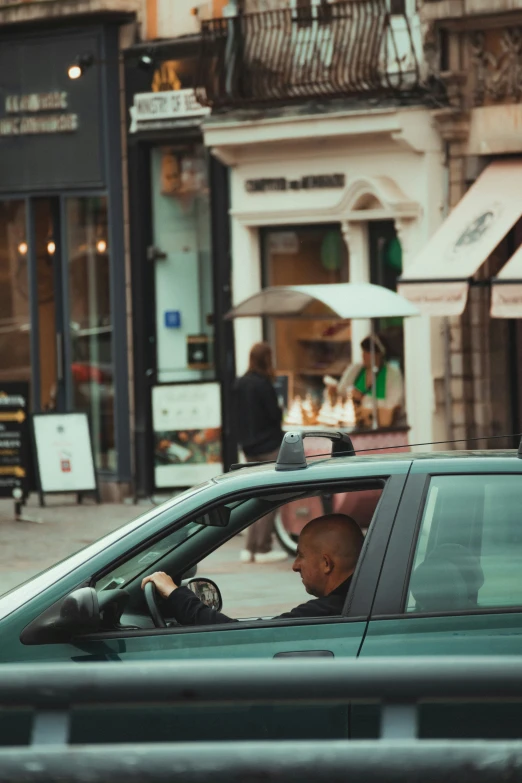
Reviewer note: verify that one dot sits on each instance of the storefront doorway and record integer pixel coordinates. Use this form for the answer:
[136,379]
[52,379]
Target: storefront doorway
[55,312]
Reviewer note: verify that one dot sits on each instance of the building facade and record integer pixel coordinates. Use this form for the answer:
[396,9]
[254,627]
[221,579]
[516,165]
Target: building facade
[474,50]
[63,325]
[178,207]
[323,113]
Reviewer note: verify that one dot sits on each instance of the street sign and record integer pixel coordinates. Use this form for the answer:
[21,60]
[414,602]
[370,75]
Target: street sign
[172,319]
[14,451]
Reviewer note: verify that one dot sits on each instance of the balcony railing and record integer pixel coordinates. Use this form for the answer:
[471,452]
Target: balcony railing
[337,49]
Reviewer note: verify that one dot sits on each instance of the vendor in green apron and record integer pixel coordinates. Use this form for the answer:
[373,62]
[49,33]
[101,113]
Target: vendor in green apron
[357,381]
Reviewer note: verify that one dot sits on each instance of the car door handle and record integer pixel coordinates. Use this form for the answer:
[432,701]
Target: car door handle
[306,654]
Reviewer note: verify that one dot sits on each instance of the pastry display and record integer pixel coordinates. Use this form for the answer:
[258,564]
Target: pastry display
[295,413]
[348,417]
[335,411]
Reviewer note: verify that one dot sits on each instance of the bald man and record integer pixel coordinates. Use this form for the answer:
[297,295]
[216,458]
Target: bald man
[327,555]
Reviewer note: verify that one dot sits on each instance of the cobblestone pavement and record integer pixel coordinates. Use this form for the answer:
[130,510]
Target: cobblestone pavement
[62,527]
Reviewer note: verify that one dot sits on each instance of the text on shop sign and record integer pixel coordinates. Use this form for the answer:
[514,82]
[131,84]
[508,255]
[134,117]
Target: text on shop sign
[310,182]
[169,105]
[27,114]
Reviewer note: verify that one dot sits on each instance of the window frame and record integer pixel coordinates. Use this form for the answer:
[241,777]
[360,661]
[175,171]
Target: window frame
[392,591]
[358,604]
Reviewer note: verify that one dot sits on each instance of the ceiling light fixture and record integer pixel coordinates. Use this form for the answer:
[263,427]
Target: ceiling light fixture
[22,248]
[146,62]
[81,63]
[101,246]
[51,247]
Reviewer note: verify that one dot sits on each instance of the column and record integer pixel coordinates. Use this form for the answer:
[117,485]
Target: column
[356,237]
[417,351]
[246,280]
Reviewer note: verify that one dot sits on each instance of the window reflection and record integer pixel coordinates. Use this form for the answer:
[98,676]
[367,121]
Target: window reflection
[15,361]
[91,322]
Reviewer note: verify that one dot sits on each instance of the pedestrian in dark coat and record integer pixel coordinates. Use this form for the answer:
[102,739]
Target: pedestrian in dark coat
[259,433]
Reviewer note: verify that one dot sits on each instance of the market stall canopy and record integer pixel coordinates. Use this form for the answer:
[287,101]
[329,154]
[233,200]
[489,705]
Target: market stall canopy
[347,300]
[438,280]
[506,291]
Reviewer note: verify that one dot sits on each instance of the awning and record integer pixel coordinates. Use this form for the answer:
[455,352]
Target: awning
[347,300]
[506,291]
[438,280]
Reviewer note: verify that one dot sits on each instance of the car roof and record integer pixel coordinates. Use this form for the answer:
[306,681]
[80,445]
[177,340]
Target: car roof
[326,467]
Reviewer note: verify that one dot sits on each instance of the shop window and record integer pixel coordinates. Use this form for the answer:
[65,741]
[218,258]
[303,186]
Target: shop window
[15,360]
[183,265]
[90,325]
[306,349]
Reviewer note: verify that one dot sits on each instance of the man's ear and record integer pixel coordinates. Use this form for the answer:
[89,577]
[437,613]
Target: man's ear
[327,564]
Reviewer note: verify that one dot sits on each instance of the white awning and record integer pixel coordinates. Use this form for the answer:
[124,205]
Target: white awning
[438,280]
[506,291]
[346,300]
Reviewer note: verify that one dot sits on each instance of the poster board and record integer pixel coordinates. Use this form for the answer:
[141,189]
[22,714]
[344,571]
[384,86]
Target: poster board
[186,418]
[63,452]
[14,439]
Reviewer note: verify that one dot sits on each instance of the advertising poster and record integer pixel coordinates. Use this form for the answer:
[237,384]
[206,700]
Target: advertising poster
[14,447]
[187,434]
[64,452]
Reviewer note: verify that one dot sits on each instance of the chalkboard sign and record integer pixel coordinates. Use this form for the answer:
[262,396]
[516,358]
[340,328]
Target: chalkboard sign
[14,447]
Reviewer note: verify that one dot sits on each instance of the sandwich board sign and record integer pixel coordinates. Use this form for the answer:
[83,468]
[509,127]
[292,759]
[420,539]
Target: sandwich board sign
[63,453]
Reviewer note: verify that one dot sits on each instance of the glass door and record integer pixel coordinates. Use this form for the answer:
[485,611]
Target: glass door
[56,325]
[46,252]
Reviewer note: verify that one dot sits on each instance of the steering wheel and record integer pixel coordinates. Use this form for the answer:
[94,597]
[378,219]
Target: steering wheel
[151,597]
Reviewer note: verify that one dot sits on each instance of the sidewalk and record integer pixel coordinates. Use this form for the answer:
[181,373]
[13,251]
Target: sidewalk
[26,548]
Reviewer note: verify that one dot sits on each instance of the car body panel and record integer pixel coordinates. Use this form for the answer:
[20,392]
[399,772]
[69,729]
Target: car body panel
[391,632]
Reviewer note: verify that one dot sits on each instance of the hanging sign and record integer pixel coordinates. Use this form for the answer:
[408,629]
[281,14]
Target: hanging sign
[64,457]
[14,451]
[151,107]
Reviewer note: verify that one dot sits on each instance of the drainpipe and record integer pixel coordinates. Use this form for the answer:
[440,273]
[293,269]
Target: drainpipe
[448,410]
[230,12]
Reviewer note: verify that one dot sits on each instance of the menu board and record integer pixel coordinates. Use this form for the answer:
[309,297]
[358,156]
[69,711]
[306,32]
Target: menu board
[14,447]
[187,434]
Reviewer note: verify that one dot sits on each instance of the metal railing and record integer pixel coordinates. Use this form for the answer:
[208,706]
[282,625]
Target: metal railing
[398,685]
[339,49]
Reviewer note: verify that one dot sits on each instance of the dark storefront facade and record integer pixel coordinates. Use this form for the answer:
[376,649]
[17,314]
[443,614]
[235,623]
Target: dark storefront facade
[62,271]
[178,197]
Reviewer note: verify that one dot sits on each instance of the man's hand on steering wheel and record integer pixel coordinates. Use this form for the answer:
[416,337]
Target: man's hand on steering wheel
[162,581]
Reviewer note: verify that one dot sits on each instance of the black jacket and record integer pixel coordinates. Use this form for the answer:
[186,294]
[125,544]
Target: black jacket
[258,415]
[187,609]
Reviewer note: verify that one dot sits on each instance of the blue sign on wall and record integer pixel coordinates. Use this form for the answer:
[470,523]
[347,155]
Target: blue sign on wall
[172,319]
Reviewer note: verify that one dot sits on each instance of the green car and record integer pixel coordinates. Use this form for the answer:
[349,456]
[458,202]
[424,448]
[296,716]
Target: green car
[440,573]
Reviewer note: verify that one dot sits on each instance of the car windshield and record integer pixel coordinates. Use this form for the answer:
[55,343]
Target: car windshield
[18,596]
[144,560]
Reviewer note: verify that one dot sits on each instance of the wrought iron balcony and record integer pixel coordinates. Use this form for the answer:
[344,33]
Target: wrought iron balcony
[324,49]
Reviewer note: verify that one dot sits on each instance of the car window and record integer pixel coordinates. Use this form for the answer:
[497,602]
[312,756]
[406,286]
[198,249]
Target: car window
[145,559]
[469,549]
[252,590]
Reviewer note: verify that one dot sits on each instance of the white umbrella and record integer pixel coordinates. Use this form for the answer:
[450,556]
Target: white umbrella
[346,300]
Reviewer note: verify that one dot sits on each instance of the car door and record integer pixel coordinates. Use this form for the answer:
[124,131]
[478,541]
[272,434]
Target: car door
[324,637]
[452,583]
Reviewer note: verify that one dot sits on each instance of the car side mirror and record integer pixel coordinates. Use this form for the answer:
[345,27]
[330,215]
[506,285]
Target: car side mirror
[208,592]
[80,611]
